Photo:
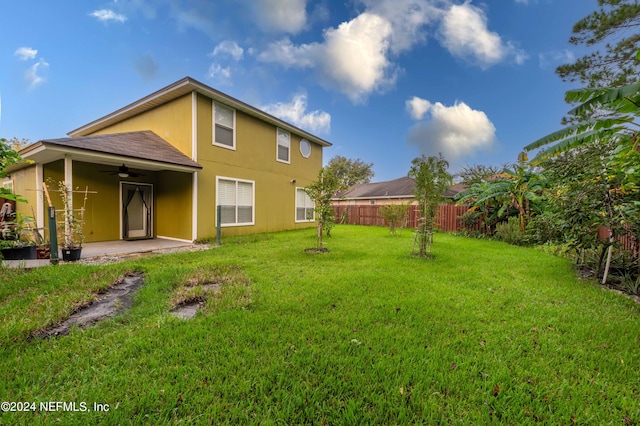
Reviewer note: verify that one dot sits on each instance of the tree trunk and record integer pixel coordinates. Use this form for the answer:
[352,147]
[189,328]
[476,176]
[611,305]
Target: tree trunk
[608,265]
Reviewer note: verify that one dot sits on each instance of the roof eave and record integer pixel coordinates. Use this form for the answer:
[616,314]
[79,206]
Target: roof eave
[181,88]
[85,154]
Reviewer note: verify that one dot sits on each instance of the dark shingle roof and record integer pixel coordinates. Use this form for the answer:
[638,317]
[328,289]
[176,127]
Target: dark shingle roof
[402,187]
[398,188]
[144,145]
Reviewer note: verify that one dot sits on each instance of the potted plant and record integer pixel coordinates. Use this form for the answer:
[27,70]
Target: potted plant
[19,238]
[71,228]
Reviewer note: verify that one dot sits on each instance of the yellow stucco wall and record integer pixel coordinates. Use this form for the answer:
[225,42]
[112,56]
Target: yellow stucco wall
[173,205]
[253,159]
[24,184]
[171,121]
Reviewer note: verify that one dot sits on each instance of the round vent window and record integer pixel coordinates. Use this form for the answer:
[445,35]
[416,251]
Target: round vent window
[305,148]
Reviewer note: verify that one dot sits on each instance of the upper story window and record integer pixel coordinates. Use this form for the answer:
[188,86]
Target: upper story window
[305,148]
[224,129]
[283,145]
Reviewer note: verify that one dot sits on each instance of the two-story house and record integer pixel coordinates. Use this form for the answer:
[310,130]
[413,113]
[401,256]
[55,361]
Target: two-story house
[161,166]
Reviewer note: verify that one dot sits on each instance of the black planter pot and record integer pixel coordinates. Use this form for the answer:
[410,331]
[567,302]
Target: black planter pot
[19,253]
[71,254]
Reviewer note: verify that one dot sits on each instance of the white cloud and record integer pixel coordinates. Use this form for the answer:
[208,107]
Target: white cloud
[229,48]
[357,57]
[353,57]
[295,112]
[280,16]
[219,73]
[25,53]
[107,15]
[549,60]
[408,19]
[418,107]
[465,34]
[197,19]
[285,53]
[33,75]
[455,131]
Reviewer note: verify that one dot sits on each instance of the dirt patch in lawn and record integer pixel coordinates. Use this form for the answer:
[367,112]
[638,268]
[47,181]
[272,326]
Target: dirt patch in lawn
[317,250]
[108,304]
[213,287]
[189,308]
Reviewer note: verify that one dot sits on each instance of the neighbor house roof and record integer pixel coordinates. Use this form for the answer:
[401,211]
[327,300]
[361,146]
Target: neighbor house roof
[178,89]
[139,149]
[398,188]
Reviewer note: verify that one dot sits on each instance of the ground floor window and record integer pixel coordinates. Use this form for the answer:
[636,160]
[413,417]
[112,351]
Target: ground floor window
[304,206]
[236,199]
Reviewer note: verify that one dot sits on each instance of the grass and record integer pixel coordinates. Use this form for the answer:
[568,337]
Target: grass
[483,333]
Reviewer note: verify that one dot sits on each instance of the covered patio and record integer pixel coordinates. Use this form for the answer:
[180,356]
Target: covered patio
[138,185]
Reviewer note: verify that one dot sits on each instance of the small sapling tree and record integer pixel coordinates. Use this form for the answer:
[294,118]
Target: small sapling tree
[321,191]
[432,180]
[395,215]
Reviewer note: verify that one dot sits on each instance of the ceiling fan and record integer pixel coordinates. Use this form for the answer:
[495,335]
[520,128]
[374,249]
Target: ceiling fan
[123,172]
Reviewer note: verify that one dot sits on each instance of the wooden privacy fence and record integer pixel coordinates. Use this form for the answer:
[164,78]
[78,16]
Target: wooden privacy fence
[627,242]
[447,219]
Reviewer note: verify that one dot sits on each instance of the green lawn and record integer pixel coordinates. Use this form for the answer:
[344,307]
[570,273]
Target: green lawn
[366,334]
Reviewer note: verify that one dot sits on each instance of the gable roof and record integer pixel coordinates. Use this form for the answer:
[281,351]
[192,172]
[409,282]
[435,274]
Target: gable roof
[178,89]
[398,188]
[143,148]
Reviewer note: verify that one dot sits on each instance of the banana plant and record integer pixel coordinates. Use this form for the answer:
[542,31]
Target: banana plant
[514,188]
[614,112]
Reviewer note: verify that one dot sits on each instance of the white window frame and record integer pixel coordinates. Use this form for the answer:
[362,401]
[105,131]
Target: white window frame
[305,142]
[253,200]
[215,124]
[278,144]
[313,216]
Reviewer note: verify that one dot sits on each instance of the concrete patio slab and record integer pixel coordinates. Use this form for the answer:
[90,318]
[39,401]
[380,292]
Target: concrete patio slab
[115,251]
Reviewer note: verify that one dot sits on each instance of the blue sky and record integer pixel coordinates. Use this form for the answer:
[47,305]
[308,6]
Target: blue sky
[383,80]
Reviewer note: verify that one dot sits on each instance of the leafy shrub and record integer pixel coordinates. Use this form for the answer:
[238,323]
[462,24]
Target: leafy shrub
[544,229]
[510,232]
[470,219]
[395,215]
